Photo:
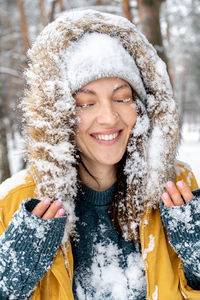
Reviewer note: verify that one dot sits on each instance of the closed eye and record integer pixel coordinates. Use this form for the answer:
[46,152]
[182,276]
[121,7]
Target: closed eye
[123,100]
[85,105]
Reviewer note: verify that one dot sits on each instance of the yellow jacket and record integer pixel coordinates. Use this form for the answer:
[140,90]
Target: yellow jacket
[164,272]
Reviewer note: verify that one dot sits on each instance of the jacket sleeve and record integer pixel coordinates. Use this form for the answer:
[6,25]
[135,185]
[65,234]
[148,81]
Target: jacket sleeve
[183,227]
[27,250]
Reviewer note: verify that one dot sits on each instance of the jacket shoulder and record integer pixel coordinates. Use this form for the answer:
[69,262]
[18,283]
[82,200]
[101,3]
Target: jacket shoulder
[13,191]
[184,172]
[12,184]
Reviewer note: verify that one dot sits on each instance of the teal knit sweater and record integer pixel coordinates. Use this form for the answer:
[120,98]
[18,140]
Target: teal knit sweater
[104,263]
[99,247]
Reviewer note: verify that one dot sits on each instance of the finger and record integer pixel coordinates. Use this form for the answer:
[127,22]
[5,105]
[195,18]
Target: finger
[41,207]
[167,200]
[52,210]
[174,194]
[185,191]
[60,213]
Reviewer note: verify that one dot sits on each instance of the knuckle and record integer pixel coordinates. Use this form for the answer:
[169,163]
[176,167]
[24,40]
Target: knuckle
[175,194]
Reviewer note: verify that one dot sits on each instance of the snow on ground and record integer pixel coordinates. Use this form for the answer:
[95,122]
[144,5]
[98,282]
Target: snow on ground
[16,149]
[189,150]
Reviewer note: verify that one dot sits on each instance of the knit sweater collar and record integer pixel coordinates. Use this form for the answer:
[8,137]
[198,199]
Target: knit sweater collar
[97,198]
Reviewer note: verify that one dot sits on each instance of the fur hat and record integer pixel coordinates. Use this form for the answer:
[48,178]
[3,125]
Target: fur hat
[98,55]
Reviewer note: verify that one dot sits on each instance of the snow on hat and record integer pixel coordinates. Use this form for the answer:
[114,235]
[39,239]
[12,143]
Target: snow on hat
[98,55]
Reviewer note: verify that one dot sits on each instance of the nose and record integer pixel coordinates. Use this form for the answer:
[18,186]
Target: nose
[107,115]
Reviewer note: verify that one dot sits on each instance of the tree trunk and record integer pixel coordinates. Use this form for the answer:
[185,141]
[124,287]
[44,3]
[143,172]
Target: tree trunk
[127,9]
[4,163]
[149,14]
[52,13]
[42,12]
[23,25]
[60,2]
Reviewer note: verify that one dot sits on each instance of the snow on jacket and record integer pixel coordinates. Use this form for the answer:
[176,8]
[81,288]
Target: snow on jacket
[164,272]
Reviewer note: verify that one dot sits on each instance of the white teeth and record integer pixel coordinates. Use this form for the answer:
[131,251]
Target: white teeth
[107,137]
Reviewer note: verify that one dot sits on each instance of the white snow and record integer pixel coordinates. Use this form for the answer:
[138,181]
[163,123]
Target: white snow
[179,216]
[156,148]
[16,149]
[151,246]
[12,182]
[161,67]
[155,293]
[94,56]
[189,149]
[109,278]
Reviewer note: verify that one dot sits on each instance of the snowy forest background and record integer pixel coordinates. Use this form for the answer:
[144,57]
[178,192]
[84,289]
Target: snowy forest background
[172,26]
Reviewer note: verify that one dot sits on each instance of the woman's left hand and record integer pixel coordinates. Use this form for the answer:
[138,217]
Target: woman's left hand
[174,193]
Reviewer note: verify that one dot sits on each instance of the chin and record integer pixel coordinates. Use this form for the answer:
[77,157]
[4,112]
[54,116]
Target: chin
[111,161]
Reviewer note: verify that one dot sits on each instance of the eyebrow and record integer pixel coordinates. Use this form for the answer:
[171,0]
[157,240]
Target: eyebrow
[85,91]
[91,92]
[122,86]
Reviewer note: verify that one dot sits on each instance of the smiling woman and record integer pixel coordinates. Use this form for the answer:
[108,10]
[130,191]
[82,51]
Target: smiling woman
[103,211]
[107,116]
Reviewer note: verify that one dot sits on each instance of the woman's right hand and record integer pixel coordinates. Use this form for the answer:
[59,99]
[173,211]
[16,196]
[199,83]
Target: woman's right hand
[47,210]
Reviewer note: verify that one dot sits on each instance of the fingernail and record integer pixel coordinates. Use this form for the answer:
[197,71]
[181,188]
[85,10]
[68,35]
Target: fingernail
[180,183]
[61,212]
[47,201]
[170,184]
[165,196]
[58,203]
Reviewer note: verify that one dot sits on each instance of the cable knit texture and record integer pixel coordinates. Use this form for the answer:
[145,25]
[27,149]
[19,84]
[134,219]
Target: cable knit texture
[183,227]
[27,250]
[100,250]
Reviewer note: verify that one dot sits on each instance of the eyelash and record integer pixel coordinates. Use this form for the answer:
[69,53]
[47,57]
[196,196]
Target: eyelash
[84,105]
[123,100]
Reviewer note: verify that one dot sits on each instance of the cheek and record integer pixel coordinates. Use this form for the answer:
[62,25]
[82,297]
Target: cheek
[82,127]
[129,116]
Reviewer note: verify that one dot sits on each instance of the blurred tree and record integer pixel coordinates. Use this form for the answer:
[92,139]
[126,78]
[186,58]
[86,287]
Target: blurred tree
[4,162]
[127,9]
[181,28]
[149,13]
[23,25]
[43,13]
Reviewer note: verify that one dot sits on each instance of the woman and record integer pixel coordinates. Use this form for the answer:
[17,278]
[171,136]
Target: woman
[102,135]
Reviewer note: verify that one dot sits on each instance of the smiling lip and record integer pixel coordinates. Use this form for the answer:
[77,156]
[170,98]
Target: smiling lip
[108,132]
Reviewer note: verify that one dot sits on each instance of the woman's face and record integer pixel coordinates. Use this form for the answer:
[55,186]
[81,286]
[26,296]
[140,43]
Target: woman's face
[106,112]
